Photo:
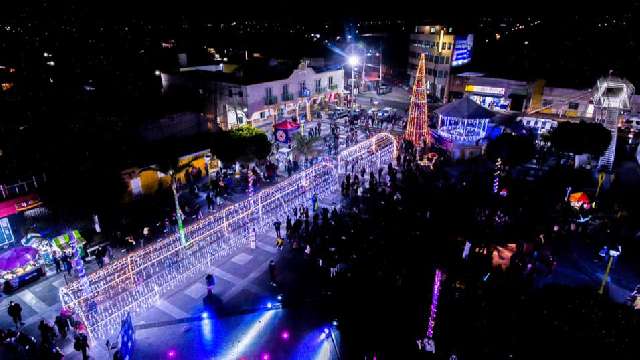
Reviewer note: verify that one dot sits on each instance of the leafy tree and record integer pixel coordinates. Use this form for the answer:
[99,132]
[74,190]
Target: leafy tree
[512,149]
[243,144]
[580,138]
[304,145]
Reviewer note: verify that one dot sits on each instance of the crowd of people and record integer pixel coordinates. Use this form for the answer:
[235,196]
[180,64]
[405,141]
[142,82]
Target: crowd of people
[377,253]
[19,344]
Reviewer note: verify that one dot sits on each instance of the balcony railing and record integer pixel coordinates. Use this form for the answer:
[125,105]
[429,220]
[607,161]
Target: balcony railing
[304,93]
[320,90]
[270,100]
[287,97]
[333,87]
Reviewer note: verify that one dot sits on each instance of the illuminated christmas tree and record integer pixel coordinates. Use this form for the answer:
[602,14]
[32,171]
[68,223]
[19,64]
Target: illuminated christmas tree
[417,126]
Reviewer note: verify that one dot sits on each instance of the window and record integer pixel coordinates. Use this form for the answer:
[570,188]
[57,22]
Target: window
[230,93]
[547,102]
[285,89]
[428,71]
[445,73]
[330,80]
[262,114]
[446,59]
[240,93]
[302,85]
[448,46]
[318,84]
[437,59]
[268,92]
[439,73]
[430,56]
[574,106]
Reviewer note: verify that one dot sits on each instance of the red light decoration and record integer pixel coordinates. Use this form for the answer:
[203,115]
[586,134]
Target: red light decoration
[417,127]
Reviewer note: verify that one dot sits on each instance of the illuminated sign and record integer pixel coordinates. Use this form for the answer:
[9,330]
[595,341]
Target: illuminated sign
[462,50]
[6,235]
[484,89]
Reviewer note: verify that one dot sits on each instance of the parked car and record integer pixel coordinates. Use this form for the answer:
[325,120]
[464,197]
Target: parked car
[384,89]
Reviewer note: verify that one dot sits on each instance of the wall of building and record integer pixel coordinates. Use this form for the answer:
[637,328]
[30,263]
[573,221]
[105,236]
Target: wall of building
[175,125]
[437,43]
[261,112]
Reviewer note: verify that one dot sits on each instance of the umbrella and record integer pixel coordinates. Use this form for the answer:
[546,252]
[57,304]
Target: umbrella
[17,257]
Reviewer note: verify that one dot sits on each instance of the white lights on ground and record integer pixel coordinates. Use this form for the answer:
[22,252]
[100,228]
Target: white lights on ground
[372,154]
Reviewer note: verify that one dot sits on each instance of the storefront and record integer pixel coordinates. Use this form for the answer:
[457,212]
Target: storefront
[493,98]
[20,266]
[62,242]
[12,217]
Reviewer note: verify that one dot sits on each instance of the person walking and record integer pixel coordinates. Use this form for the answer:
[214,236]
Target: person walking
[66,261]
[211,282]
[209,199]
[288,227]
[81,344]
[46,332]
[15,312]
[277,225]
[272,272]
[62,325]
[314,202]
[57,262]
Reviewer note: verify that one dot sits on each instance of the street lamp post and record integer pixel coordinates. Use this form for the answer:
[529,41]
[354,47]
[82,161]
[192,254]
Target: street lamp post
[353,61]
[183,236]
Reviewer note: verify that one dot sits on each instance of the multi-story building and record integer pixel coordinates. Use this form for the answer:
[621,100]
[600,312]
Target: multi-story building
[260,95]
[437,43]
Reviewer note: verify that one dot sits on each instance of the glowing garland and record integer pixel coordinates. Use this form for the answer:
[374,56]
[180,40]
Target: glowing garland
[496,176]
[434,303]
[462,130]
[135,283]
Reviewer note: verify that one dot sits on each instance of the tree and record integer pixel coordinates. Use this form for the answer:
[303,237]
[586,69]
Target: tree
[304,145]
[245,144]
[512,149]
[580,138]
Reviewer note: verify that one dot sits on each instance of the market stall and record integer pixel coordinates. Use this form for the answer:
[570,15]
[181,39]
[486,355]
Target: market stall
[61,243]
[20,266]
[45,250]
[283,131]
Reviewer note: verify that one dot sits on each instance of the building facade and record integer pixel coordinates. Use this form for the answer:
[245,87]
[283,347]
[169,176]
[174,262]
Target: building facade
[437,43]
[292,97]
[261,97]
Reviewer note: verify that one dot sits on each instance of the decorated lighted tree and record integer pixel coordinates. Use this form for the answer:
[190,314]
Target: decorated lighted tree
[417,129]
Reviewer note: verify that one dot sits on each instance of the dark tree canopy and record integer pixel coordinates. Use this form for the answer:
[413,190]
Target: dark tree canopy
[580,138]
[512,149]
[245,144]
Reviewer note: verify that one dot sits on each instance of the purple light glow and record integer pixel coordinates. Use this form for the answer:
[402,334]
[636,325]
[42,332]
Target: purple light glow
[266,356]
[171,353]
[285,335]
[434,303]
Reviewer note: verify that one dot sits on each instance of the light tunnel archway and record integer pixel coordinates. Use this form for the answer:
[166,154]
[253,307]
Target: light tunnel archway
[135,283]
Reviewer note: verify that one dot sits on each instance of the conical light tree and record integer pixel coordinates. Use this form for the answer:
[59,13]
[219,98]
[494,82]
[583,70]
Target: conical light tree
[417,126]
